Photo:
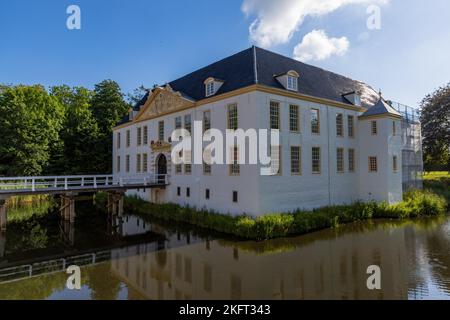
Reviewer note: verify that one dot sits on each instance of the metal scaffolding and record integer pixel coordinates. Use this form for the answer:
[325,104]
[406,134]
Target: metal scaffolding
[412,154]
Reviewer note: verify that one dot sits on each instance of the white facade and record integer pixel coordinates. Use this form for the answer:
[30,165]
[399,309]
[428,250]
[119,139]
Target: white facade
[257,194]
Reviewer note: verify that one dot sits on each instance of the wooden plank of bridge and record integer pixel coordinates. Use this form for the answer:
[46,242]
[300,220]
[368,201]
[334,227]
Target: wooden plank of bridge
[67,209]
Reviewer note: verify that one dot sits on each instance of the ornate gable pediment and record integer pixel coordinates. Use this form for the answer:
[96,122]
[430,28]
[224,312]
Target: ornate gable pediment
[163,101]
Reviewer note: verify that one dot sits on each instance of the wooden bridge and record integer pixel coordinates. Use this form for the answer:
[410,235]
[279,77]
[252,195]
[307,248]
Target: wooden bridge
[67,187]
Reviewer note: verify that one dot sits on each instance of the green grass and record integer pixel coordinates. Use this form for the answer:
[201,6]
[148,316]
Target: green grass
[439,183]
[416,204]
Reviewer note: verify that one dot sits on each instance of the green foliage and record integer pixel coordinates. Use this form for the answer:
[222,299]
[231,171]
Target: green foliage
[29,129]
[80,133]
[108,108]
[416,204]
[435,119]
[66,131]
[439,183]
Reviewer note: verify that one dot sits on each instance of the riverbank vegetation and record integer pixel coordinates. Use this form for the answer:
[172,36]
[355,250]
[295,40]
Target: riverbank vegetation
[416,204]
[439,183]
[59,130]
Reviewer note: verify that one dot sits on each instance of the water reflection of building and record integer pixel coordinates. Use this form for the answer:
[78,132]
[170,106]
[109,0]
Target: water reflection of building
[333,268]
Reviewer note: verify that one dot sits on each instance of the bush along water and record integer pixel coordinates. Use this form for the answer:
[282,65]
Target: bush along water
[276,225]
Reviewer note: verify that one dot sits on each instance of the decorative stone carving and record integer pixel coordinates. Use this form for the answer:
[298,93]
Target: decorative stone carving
[161,146]
[163,101]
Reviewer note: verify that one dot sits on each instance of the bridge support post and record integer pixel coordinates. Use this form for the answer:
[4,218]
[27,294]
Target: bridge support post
[115,203]
[2,244]
[67,209]
[3,215]
[68,229]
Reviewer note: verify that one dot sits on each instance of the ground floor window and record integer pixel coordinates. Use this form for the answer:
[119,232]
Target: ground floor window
[340,160]
[127,163]
[373,164]
[207,194]
[295,160]
[351,160]
[188,192]
[394,163]
[315,157]
[178,191]
[145,162]
[235,196]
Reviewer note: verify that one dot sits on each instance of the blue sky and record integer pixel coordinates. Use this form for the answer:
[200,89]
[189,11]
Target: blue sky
[151,42]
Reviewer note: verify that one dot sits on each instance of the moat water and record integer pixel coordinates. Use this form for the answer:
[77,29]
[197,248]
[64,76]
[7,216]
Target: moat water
[145,259]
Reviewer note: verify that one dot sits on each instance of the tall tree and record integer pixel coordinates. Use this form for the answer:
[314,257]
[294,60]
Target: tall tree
[108,107]
[29,129]
[80,132]
[435,118]
[136,96]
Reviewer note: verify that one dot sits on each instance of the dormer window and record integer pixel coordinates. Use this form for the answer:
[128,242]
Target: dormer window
[292,83]
[212,85]
[289,80]
[354,98]
[210,88]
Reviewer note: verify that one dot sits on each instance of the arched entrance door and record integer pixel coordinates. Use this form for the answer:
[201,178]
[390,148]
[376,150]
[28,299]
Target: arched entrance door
[161,167]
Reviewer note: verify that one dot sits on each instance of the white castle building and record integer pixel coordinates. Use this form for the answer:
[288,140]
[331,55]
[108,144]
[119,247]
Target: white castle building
[340,141]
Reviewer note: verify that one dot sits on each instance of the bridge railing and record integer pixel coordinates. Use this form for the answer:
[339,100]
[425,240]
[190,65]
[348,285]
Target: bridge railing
[36,184]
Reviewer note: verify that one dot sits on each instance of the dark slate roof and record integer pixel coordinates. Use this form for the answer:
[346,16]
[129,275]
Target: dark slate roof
[313,81]
[381,107]
[237,71]
[256,65]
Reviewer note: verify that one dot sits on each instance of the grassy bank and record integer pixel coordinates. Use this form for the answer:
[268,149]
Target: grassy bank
[439,183]
[276,225]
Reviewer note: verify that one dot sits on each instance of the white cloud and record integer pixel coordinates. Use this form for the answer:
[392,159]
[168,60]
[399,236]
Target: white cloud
[316,45]
[277,20]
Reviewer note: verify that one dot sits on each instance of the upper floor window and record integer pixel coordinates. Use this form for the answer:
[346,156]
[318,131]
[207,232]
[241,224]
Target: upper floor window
[374,128]
[232,117]
[294,118]
[339,125]
[139,136]
[145,135]
[178,123]
[188,123]
[394,128]
[118,140]
[315,121]
[161,130]
[206,120]
[128,138]
[274,115]
[351,126]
